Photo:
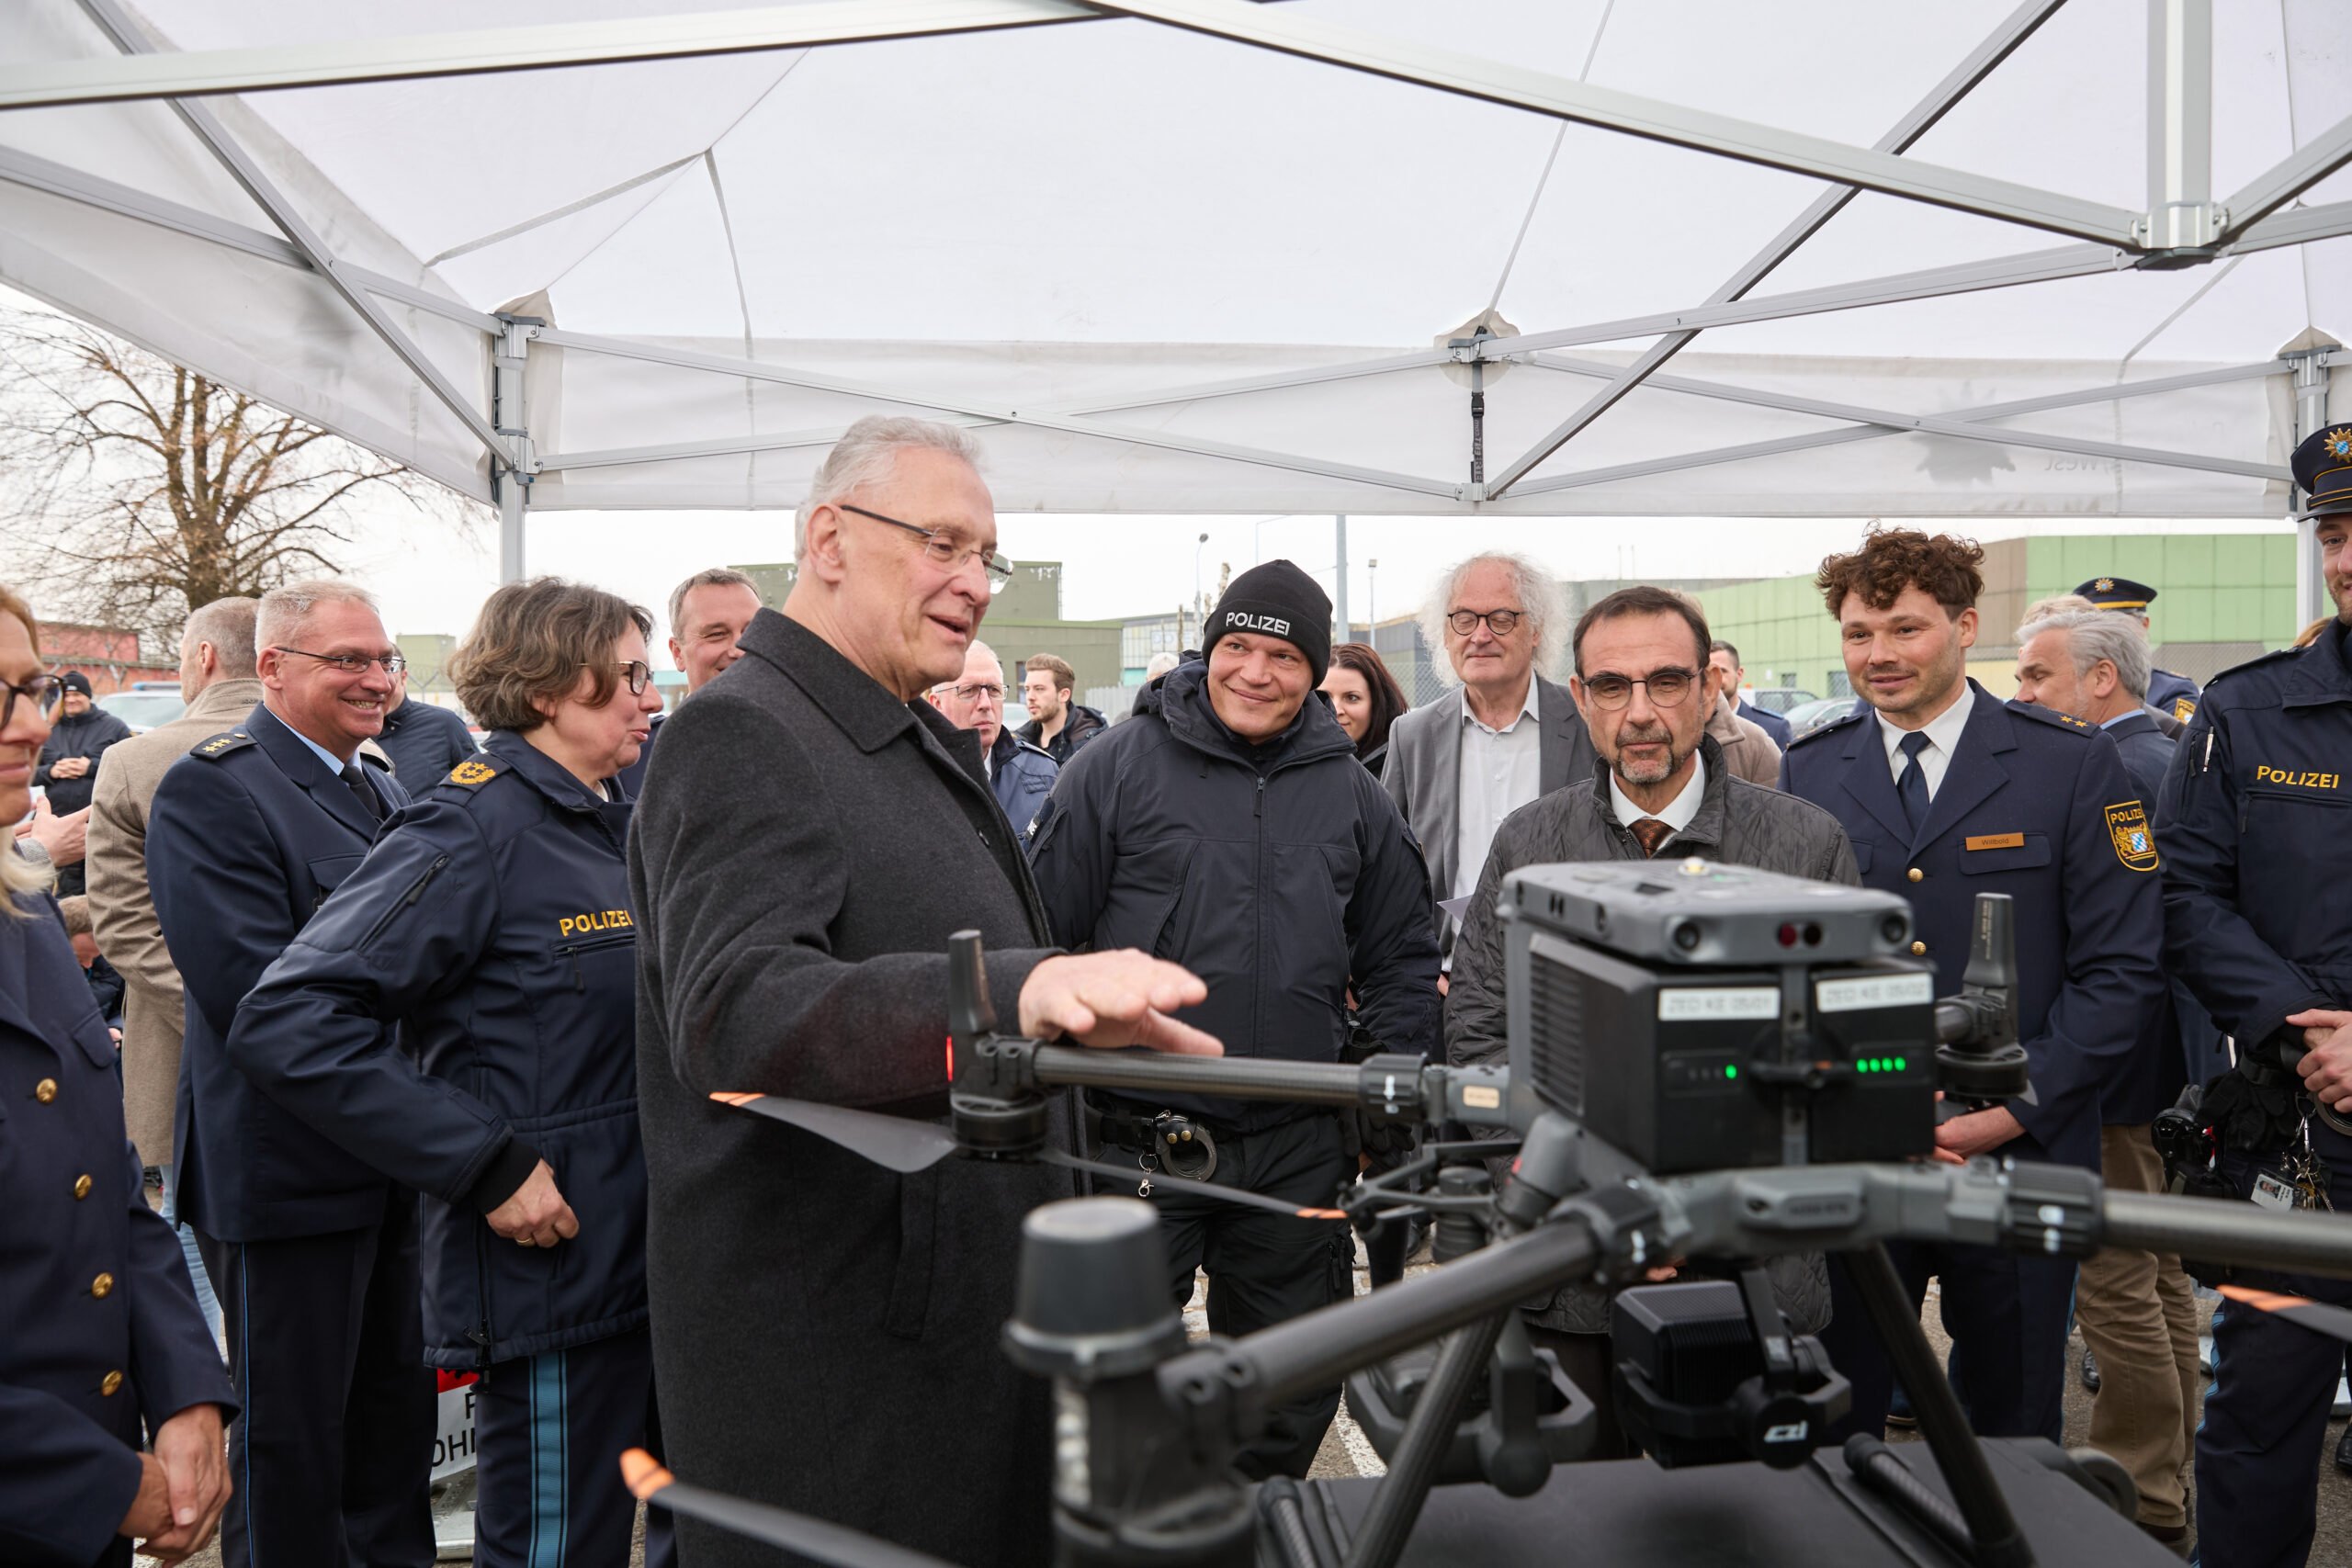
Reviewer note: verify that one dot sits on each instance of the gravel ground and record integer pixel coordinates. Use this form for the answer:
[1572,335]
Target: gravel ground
[1346,1451]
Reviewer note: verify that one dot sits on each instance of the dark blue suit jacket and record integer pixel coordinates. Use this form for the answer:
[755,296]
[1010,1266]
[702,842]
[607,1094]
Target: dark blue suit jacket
[248,834]
[68,1187]
[2037,806]
[1770,723]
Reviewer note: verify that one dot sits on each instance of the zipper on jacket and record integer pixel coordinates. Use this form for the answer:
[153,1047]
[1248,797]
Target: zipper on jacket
[406,901]
[480,1333]
[573,949]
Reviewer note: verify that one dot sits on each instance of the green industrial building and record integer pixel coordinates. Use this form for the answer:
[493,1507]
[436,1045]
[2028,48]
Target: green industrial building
[2222,599]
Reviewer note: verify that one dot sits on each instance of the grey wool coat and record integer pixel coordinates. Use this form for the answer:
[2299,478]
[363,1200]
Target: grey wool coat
[825,1331]
[1743,823]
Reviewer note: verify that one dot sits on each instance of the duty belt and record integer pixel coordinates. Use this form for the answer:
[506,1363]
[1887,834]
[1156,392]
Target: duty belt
[1172,1141]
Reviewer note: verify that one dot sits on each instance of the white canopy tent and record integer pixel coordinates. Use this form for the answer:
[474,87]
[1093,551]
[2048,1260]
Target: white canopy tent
[1530,257]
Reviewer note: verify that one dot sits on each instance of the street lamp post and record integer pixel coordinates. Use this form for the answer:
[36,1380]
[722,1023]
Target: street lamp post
[1196,585]
[1372,593]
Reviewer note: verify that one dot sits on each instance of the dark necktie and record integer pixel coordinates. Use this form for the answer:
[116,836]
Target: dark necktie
[1913,786]
[364,792]
[1652,833]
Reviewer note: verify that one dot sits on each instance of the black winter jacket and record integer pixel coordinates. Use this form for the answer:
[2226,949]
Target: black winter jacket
[1280,875]
[1082,725]
[80,735]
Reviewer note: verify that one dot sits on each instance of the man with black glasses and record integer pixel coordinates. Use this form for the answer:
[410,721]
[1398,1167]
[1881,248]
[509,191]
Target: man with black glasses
[1660,790]
[311,1251]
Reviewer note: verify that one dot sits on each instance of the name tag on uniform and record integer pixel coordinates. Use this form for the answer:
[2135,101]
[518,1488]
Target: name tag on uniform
[1997,841]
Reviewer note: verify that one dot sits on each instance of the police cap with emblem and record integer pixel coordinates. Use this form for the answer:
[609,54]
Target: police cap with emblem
[2323,466]
[1276,599]
[2117,593]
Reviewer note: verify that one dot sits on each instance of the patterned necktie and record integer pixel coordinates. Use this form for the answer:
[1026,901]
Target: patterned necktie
[1913,786]
[368,802]
[1652,833]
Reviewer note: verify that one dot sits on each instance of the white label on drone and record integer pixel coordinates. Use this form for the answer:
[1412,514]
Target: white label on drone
[1684,1004]
[1874,991]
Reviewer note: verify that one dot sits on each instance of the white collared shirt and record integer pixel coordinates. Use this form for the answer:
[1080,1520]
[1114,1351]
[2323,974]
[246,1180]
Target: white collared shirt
[1502,770]
[1676,813]
[1943,736]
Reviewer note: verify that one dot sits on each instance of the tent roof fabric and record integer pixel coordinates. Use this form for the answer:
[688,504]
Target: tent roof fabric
[1173,271]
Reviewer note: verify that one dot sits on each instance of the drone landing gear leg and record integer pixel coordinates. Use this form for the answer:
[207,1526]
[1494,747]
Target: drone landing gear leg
[1397,1502]
[1991,1529]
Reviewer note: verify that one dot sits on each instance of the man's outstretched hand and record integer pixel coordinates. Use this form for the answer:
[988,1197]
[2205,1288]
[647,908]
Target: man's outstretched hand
[1115,998]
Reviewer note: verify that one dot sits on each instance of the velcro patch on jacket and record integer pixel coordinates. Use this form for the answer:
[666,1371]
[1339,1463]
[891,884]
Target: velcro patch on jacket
[2135,846]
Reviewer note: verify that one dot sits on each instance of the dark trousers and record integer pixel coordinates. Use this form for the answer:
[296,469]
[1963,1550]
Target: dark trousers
[549,1431]
[332,1451]
[2006,1316]
[2261,1444]
[1266,1269]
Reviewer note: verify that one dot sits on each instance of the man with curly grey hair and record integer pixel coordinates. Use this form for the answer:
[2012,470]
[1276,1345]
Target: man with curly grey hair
[1457,767]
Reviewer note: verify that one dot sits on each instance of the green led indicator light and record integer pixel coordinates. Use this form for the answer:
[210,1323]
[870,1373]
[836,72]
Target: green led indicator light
[1900,1063]
[1731,1072]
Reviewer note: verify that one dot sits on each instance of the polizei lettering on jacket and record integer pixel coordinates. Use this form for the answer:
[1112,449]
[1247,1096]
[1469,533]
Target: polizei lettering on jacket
[600,920]
[2294,780]
[1242,621]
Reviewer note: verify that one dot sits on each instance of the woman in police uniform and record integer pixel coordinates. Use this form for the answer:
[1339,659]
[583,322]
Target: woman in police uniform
[103,1341]
[493,920]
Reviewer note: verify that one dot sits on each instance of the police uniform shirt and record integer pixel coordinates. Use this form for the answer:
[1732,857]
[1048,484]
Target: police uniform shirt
[1943,733]
[1675,813]
[1501,771]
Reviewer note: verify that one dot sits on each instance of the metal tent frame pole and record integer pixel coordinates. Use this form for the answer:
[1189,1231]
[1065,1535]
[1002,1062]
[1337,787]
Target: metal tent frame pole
[2313,367]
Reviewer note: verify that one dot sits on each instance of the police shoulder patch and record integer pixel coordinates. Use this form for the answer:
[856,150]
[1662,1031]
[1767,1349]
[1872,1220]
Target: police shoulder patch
[2135,845]
[220,746]
[2049,716]
[2184,708]
[475,770]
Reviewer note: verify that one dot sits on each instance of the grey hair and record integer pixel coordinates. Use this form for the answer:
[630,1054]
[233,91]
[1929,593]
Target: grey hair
[286,607]
[2095,634]
[1161,663]
[1545,601]
[713,577]
[228,625]
[867,453]
[2056,605]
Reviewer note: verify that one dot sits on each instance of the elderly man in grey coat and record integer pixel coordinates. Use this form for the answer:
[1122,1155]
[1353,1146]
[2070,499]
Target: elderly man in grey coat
[825,1331]
[1661,789]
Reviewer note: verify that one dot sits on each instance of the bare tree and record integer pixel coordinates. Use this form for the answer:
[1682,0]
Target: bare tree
[135,491]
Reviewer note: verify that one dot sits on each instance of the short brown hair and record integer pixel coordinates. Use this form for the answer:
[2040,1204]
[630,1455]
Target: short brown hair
[75,912]
[1644,600]
[1946,568]
[531,641]
[1064,678]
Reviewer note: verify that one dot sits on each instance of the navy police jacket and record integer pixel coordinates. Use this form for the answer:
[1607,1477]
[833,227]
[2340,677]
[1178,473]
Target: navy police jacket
[2257,835]
[493,920]
[248,834]
[2035,805]
[1280,875]
[101,1332]
[1021,776]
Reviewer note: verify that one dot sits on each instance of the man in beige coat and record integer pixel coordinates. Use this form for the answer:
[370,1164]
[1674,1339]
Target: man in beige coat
[218,678]
[1749,750]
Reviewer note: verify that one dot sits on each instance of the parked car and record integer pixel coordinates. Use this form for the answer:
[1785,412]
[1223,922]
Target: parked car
[146,704]
[1781,699]
[1806,717]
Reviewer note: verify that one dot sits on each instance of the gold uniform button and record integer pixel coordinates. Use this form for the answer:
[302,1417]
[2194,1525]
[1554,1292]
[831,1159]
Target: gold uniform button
[108,1384]
[81,1188]
[45,1090]
[1917,876]
[102,1287]
[1919,949]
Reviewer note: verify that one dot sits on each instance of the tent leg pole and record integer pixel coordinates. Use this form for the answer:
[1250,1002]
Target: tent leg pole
[1339,600]
[2310,387]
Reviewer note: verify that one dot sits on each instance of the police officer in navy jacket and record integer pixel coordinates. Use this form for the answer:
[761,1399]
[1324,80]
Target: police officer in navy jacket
[491,921]
[2259,920]
[311,1251]
[1947,792]
[102,1337]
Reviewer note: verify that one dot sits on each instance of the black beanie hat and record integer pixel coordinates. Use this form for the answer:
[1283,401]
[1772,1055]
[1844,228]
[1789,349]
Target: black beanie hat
[1276,599]
[75,681]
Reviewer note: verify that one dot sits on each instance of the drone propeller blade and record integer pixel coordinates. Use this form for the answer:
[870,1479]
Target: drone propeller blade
[2318,1317]
[813,1539]
[1199,1189]
[894,1142]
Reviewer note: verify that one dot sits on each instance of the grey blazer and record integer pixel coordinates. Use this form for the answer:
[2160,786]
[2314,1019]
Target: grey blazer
[1424,771]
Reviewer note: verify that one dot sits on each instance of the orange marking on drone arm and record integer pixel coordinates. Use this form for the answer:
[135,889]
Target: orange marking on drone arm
[737,1098]
[1322,1213]
[643,1474]
[2269,1300]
